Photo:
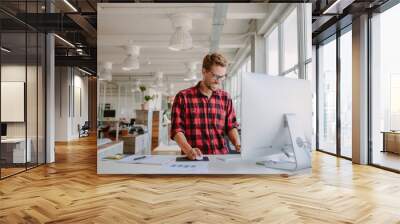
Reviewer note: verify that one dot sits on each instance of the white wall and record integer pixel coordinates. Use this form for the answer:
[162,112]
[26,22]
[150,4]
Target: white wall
[33,126]
[17,73]
[69,84]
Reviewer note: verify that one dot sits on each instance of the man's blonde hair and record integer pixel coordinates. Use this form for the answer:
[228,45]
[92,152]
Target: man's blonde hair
[214,59]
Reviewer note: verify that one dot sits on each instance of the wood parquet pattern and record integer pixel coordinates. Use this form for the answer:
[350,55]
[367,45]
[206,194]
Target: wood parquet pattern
[70,191]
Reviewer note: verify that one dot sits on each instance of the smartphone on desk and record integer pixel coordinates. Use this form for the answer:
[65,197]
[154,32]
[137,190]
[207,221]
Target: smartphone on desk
[186,159]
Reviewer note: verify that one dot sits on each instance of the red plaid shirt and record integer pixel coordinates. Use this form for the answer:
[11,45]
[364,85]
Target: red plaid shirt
[204,121]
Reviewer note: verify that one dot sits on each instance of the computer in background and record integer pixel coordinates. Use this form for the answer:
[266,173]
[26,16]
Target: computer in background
[3,130]
[276,121]
[109,113]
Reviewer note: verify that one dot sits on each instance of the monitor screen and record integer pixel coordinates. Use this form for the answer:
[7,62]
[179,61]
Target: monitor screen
[3,129]
[109,113]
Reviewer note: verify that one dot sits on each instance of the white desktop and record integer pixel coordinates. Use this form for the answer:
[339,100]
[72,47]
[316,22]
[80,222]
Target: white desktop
[275,135]
[276,118]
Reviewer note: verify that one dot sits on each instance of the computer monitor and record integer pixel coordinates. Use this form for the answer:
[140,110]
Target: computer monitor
[3,130]
[109,113]
[266,100]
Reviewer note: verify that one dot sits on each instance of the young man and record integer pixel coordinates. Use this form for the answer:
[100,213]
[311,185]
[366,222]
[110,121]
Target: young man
[203,114]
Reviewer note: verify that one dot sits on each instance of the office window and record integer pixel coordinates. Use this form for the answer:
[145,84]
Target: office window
[290,38]
[385,87]
[346,94]
[327,97]
[273,52]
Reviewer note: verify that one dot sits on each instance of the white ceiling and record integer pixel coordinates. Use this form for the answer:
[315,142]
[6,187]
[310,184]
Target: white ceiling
[149,26]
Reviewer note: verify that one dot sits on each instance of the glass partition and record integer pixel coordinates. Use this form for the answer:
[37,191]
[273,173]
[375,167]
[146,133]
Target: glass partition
[14,153]
[22,87]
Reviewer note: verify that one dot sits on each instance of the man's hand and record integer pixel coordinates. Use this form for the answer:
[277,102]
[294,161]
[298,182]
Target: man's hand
[192,153]
[233,135]
[237,147]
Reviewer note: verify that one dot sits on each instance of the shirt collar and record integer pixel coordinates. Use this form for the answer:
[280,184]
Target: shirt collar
[214,93]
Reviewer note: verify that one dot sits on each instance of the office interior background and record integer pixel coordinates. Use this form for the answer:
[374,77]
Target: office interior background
[50,77]
[146,60]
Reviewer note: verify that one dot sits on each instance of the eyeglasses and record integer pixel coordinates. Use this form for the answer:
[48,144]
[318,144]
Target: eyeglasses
[218,77]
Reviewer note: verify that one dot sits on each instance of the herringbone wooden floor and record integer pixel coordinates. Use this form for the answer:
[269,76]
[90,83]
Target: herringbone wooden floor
[70,191]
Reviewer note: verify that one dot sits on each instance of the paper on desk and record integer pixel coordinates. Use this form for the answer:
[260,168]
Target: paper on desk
[194,167]
[148,160]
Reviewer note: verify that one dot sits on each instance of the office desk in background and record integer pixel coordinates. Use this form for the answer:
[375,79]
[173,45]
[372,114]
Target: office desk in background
[215,166]
[13,150]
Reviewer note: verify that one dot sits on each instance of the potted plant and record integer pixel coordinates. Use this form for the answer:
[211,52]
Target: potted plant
[145,105]
[142,88]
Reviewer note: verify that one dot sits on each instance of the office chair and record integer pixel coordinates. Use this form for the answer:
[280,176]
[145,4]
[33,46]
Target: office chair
[84,130]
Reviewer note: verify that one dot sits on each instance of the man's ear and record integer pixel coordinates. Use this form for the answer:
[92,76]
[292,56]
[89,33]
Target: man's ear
[204,71]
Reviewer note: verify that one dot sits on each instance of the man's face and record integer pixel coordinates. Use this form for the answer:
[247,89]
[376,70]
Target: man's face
[214,77]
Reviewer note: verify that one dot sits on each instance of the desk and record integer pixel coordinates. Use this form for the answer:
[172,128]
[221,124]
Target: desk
[13,150]
[215,166]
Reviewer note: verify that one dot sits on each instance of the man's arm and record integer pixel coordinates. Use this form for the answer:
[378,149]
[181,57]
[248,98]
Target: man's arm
[233,135]
[232,125]
[192,153]
[178,127]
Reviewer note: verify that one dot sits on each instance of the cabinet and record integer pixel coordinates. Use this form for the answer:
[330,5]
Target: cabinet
[135,144]
[153,125]
[391,142]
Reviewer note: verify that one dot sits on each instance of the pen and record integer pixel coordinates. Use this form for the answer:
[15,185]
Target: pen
[141,157]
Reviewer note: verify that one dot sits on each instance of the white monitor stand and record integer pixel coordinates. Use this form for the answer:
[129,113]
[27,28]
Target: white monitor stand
[301,149]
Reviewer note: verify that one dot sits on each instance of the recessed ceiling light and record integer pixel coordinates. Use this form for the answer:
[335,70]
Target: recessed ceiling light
[5,50]
[335,4]
[64,40]
[84,71]
[70,5]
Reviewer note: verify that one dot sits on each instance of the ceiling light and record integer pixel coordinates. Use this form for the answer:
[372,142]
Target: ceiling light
[70,5]
[64,40]
[107,65]
[181,38]
[105,71]
[191,71]
[105,76]
[136,86]
[130,63]
[132,50]
[5,50]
